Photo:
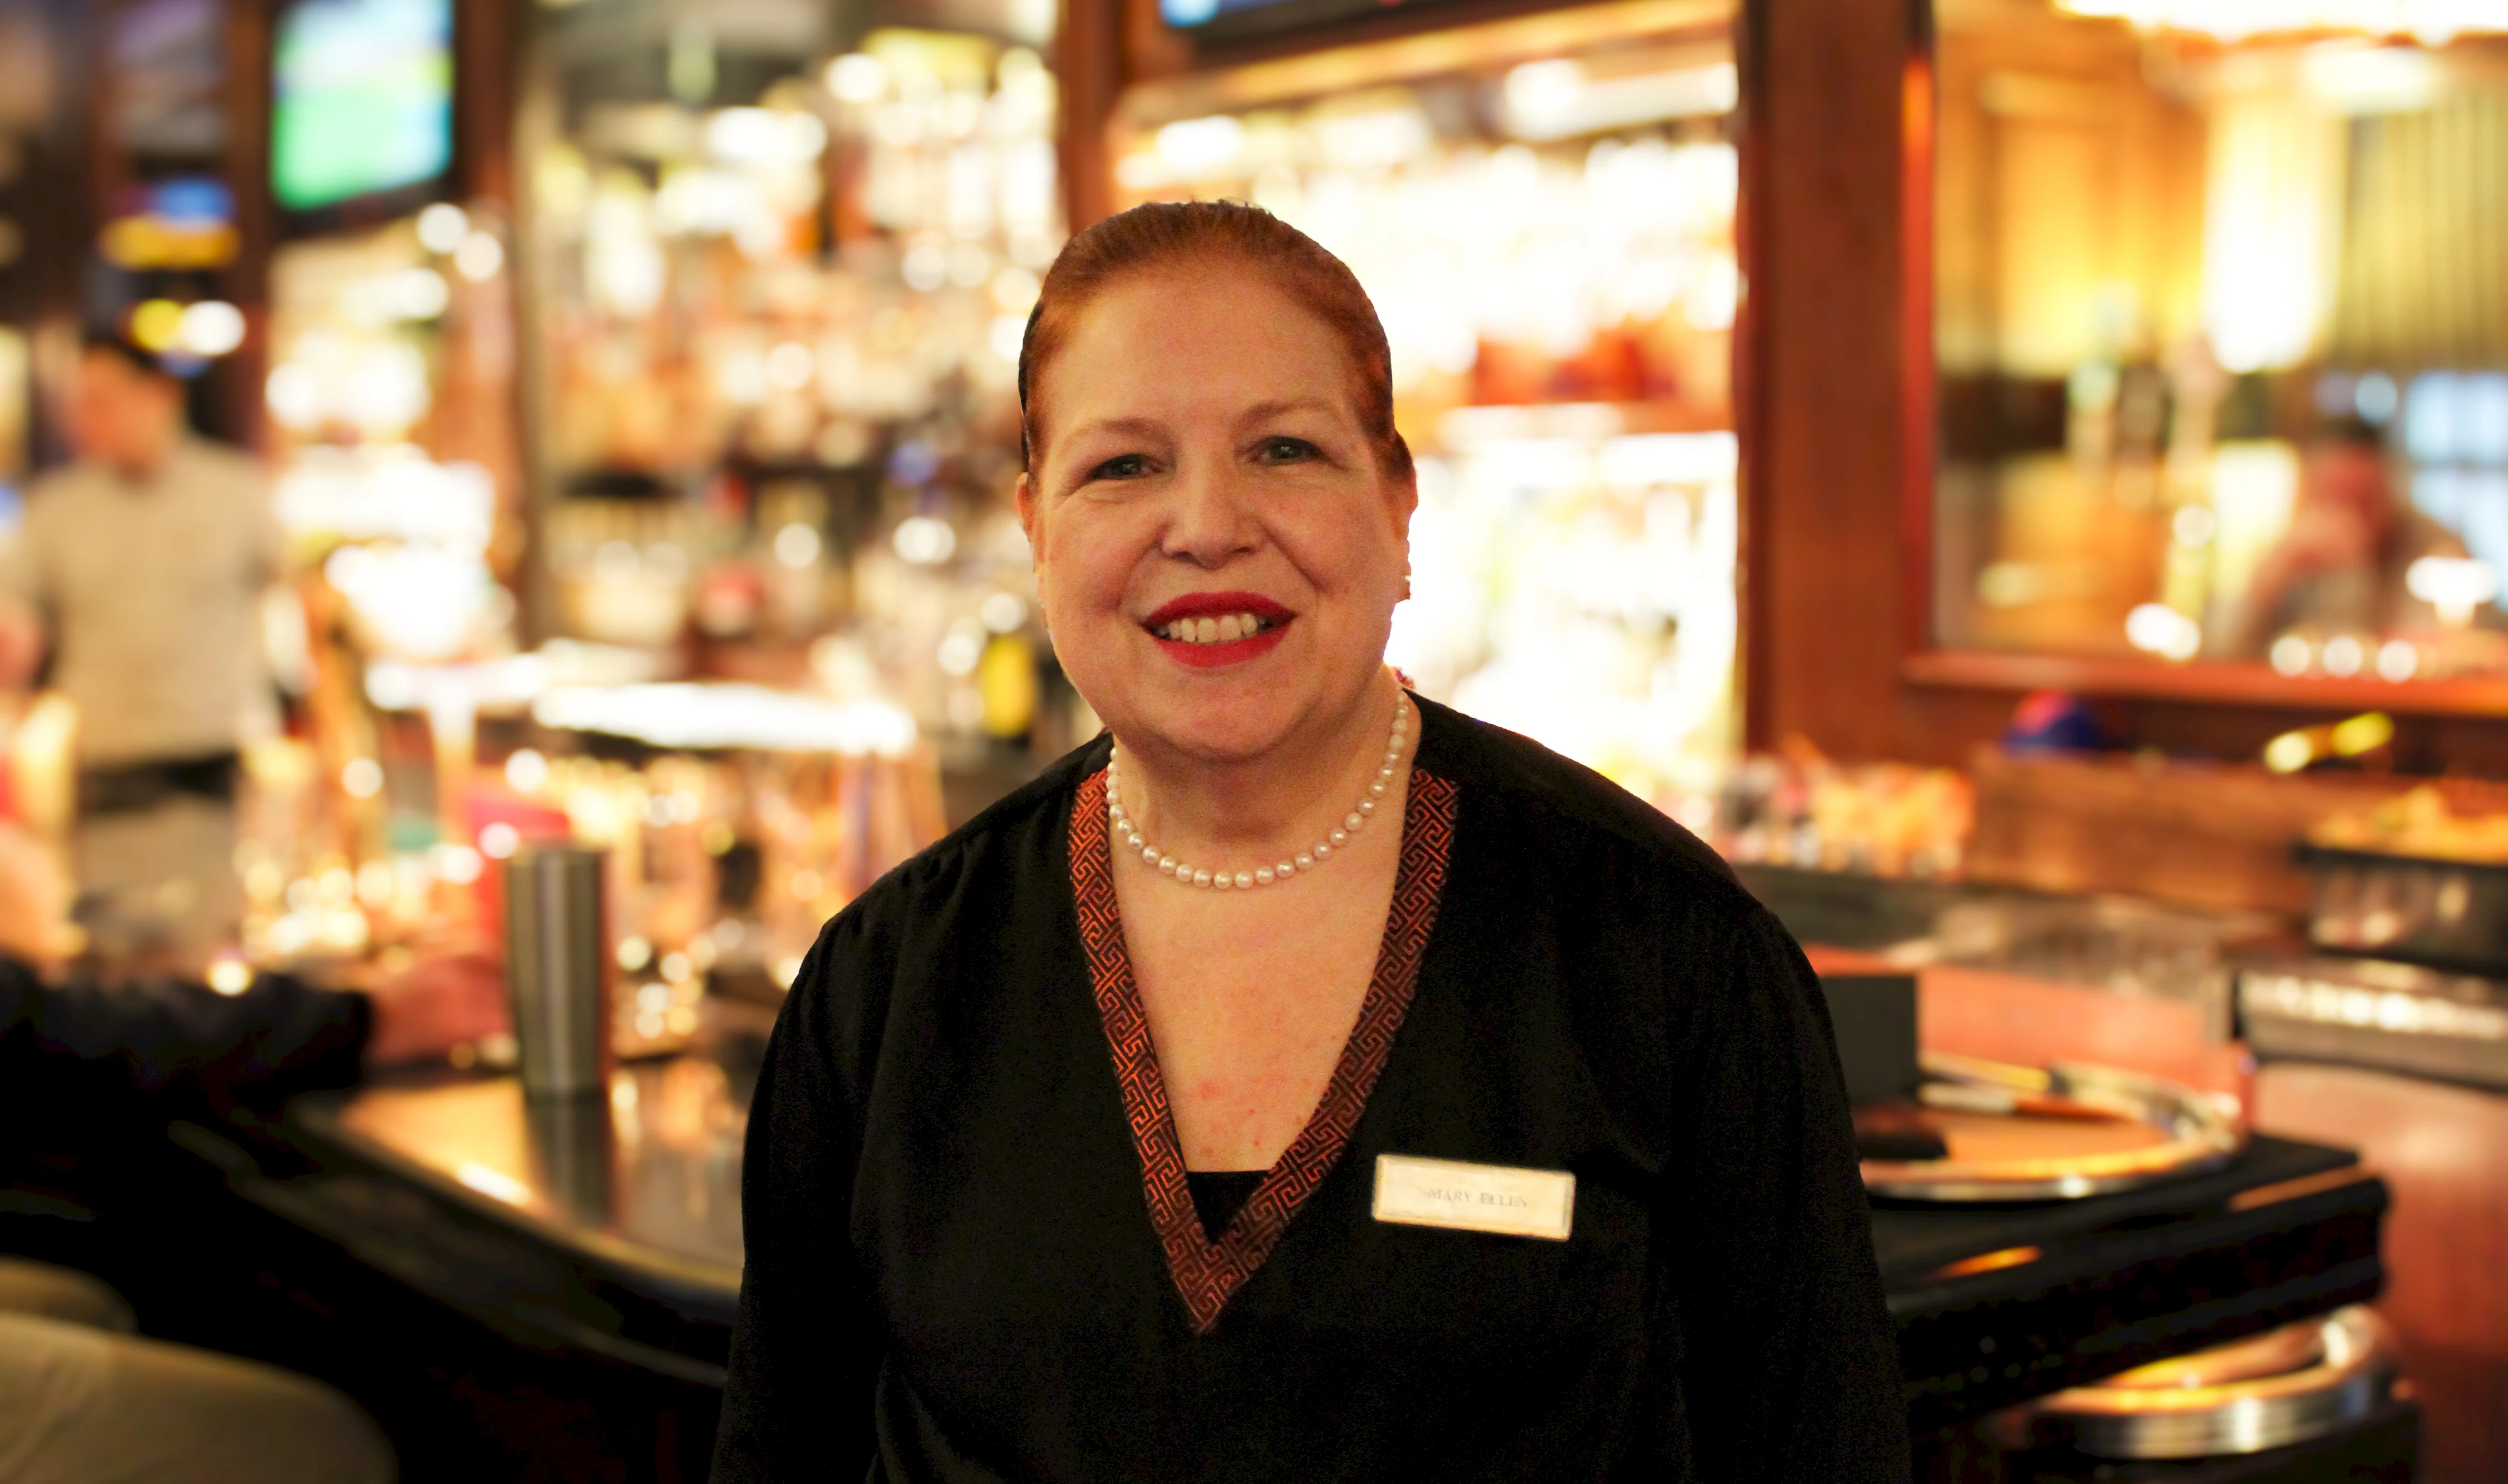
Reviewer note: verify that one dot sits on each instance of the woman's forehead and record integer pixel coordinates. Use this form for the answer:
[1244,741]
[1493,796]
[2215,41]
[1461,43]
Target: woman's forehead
[1180,341]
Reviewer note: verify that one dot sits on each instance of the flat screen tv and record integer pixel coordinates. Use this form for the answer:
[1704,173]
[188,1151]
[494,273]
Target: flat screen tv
[363,103]
[1225,21]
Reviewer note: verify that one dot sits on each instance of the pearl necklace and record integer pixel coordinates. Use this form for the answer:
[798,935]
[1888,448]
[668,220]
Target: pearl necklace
[1130,839]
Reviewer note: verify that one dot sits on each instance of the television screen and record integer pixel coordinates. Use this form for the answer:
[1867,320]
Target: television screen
[1244,19]
[364,99]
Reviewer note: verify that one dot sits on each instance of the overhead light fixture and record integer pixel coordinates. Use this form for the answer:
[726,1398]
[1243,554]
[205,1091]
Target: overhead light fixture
[2432,22]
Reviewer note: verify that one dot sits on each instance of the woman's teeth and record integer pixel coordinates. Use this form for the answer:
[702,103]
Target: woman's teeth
[1221,630]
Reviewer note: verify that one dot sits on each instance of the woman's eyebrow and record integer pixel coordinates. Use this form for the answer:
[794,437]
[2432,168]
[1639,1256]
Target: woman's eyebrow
[1265,411]
[1138,428]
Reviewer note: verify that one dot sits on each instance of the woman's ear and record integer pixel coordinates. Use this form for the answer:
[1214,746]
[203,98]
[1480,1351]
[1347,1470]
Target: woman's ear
[1027,514]
[1405,496]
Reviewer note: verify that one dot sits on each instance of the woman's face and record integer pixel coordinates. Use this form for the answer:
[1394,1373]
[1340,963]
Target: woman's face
[1203,463]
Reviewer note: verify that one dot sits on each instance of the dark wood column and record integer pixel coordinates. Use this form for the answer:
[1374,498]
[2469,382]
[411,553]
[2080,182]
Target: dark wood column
[1835,356]
[487,48]
[247,173]
[1088,66]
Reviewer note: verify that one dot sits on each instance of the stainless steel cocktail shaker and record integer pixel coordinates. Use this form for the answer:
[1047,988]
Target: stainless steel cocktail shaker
[558,963]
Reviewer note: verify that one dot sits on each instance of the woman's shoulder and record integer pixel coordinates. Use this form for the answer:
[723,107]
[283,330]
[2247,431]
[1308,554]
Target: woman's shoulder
[1561,808]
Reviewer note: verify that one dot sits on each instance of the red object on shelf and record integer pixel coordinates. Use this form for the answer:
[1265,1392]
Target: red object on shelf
[533,823]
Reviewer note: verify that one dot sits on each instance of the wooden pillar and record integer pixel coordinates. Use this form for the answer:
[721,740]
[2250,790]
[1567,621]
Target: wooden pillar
[1087,66]
[486,43]
[246,279]
[1834,365]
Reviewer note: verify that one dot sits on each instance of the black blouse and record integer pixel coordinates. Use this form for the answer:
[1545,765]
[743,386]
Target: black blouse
[974,1253]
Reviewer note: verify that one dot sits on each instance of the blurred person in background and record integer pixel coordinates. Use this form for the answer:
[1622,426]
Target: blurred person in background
[142,566]
[2340,567]
[82,1398]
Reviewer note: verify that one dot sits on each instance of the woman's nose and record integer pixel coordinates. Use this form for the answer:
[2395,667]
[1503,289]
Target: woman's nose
[1211,521]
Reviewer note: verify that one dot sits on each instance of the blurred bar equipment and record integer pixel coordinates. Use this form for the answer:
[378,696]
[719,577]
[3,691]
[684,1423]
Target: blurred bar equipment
[557,947]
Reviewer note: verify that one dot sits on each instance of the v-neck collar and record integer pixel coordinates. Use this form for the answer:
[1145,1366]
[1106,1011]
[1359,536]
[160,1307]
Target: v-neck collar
[1207,1271]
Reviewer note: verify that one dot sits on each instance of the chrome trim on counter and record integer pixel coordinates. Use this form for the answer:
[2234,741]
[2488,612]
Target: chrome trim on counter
[2286,1387]
[2203,1133]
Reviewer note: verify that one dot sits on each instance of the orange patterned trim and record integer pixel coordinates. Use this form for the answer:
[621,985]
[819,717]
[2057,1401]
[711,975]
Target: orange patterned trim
[1207,1271]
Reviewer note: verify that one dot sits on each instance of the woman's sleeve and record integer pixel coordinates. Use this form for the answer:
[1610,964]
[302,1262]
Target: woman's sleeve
[1790,1367]
[280,1037]
[803,1353]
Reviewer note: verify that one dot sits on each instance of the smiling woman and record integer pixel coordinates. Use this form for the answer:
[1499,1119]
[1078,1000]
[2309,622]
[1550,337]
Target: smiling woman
[1116,1136]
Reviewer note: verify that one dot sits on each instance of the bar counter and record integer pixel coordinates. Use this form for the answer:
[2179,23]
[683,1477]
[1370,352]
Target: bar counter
[610,1228]
[606,1225]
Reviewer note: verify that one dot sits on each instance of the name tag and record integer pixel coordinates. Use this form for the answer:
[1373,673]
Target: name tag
[1500,1199]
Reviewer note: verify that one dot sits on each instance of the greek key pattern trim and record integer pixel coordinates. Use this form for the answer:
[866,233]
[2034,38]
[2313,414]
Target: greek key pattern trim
[1205,1272]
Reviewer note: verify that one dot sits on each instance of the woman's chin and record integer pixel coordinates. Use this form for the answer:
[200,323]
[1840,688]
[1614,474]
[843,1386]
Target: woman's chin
[1236,705]
[1216,715]
[1213,735]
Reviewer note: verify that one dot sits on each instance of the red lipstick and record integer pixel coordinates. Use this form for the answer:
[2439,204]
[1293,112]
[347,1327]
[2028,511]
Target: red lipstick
[1275,619]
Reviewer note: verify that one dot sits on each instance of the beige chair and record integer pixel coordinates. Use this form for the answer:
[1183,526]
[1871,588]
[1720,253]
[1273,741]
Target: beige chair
[83,1401]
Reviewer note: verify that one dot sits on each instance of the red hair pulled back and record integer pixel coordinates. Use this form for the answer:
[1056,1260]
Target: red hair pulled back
[1182,234]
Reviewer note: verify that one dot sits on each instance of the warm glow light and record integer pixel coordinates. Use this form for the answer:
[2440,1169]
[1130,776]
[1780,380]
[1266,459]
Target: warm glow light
[789,365]
[858,77]
[796,546]
[209,328]
[959,653]
[2454,585]
[762,134]
[2433,21]
[1008,335]
[479,257]
[2289,752]
[926,541]
[2344,655]
[1003,612]
[457,863]
[526,771]
[419,601]
[2158,629]
[2263,238]
[230,976]
[442,227]
[1990,1262]
[1014,290]
[1190,147]
[295,395]
[1554,100]
[496,1183]
[2363,734]
[157,324]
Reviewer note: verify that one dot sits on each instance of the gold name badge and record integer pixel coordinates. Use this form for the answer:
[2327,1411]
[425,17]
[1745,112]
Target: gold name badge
[1500,1199]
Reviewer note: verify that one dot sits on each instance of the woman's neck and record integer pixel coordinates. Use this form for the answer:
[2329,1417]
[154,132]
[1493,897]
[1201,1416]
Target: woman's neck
[1274,806]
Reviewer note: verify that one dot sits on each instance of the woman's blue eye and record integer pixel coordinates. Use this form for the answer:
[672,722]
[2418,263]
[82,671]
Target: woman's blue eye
[1127,466]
